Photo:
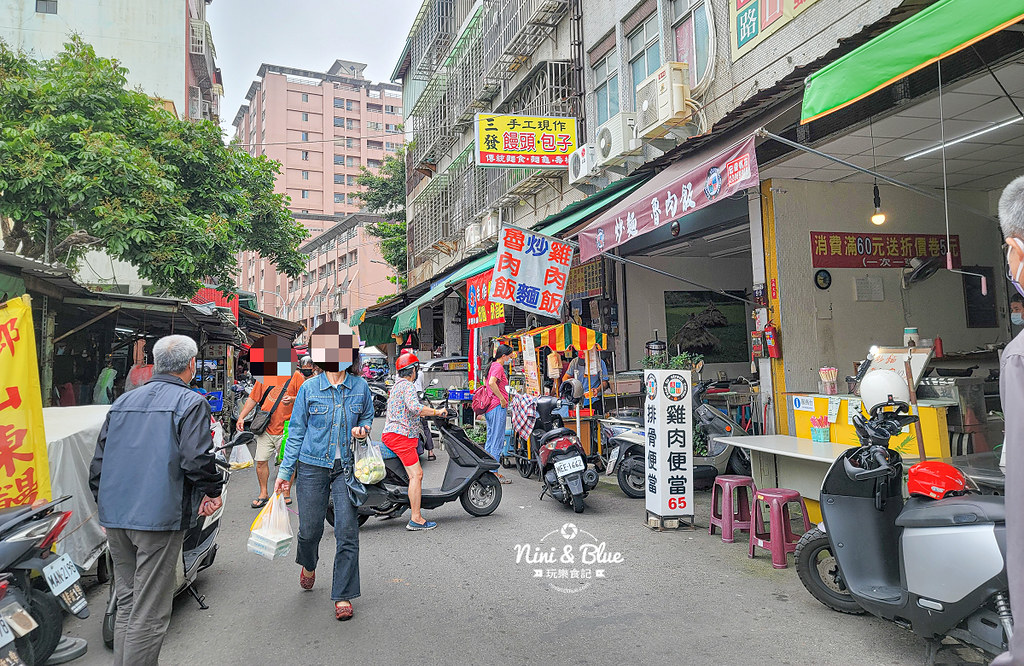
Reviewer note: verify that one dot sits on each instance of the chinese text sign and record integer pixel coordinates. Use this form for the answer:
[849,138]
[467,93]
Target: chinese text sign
[24,470]
[668,460]
[530,364]
[753,21]
[480,310]
[531,271]
[524,141]
[833,249]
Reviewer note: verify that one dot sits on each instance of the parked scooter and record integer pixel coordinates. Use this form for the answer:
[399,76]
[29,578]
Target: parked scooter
[468,478]
[15,622]
[26,537]
[934,566]
[380,397]
[626,459]
[199,548]
[561,458]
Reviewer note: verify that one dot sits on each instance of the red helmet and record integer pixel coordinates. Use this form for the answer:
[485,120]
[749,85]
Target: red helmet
[405,360]
[935,479]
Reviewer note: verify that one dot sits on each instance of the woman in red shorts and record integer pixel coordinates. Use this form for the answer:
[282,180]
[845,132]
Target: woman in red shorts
[402,432]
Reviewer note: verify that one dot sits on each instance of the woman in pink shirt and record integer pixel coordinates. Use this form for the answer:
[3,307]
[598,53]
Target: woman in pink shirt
[497,382]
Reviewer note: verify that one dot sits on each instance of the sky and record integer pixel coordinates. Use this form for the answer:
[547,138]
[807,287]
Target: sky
[310,34]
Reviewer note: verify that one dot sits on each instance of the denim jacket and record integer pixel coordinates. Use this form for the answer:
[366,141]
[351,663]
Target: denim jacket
[322,418]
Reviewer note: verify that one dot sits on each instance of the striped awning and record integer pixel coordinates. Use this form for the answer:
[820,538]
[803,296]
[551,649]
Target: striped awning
[560,337]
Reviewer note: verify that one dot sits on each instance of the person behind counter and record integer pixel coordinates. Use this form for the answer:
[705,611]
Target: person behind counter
[1017,310]
[1011,393]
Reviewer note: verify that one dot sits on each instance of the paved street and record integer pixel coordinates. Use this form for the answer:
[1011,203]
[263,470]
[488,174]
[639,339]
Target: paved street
[457,595]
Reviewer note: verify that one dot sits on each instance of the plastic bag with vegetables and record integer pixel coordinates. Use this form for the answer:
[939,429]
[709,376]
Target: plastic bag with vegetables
[369,467]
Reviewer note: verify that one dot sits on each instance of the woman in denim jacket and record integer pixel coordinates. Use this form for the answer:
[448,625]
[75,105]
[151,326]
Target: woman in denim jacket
[330,409]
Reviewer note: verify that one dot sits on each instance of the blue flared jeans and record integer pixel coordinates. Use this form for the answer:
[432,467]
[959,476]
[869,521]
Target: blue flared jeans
[314,488]
[495,431]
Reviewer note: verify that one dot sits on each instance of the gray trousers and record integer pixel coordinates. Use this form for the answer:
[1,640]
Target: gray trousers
[145,566]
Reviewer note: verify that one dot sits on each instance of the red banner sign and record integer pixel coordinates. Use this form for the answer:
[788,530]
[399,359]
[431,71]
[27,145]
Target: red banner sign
[682,188]
[480,310]
[834,249]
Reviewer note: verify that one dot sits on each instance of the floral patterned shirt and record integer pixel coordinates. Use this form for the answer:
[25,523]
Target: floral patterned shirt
[403,415]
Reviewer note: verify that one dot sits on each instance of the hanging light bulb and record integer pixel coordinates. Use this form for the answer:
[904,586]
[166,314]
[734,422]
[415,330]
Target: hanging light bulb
[878,218]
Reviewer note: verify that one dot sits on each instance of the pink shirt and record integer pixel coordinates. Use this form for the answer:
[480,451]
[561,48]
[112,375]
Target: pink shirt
[497,370]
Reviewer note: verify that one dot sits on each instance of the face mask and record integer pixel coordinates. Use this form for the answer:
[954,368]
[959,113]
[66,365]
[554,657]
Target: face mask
[193,373]
[1017,318]
[1015,279]
[306,372]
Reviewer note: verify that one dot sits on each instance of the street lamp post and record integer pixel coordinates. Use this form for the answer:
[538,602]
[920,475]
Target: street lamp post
[273,293]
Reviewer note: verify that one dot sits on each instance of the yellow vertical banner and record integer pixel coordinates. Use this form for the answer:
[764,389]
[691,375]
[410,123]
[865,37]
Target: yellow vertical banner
[24,467]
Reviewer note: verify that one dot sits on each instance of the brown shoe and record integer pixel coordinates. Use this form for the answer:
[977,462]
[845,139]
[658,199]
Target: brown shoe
[343,613]
[306,582]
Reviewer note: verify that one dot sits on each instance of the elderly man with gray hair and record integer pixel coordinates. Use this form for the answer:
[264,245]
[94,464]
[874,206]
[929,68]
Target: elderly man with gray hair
[1011,392]
[152,475]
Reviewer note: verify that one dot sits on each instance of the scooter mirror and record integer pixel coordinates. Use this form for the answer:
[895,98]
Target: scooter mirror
[434,381]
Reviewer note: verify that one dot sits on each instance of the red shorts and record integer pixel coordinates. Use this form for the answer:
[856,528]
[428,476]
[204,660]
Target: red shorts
[403,447]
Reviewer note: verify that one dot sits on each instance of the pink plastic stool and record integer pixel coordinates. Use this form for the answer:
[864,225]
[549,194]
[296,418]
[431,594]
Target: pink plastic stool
[727,512]
[779,537]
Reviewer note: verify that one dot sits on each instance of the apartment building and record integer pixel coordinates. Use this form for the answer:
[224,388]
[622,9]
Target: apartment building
[323,127]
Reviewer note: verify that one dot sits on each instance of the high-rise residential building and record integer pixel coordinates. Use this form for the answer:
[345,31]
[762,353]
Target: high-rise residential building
[323,127]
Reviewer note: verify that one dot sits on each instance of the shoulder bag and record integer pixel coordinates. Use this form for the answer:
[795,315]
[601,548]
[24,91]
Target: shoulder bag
[262,419]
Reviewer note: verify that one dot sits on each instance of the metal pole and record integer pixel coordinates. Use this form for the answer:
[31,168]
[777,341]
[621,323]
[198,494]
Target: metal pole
[623,260]
[892,181]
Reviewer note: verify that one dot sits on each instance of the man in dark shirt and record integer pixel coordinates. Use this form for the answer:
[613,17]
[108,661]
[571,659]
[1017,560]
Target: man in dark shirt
[152,474]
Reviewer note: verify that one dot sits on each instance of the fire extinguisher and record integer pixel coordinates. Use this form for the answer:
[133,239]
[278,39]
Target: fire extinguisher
[772,342]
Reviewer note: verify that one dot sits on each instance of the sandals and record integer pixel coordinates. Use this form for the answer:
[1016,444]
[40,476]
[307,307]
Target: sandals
[306,582]
[502,479]
[343,613]
[259,502]
[431,456]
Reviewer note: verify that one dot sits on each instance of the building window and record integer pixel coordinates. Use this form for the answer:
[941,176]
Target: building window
[351,105]
[375,127]
[46,6]
[339,103]
[339,159]
[339,122]
[391,109]
[375,145]
[330,268]
[353,200]
[305,97]
[339,179]
[305,136]
[392,129]
[352,180]
[644,51]
[305,194]
[606,86]
[305,117]
[339,198]
[373,164]
[693,35]
[305,175]
[305,156]
[374,108]
[352,125]
[351,161]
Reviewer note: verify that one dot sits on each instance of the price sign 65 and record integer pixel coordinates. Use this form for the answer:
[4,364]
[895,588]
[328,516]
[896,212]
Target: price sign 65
[675,503]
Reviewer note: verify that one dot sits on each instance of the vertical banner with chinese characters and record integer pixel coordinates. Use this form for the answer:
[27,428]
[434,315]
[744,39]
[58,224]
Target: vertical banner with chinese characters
[531,271]
[669,428]
[24,469]
[480,310]
[524,141]
[530,365]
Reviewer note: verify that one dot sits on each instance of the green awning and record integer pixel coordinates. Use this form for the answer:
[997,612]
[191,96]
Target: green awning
[476,267]
[930,35]
[375,331]
[408,319]
[357,317]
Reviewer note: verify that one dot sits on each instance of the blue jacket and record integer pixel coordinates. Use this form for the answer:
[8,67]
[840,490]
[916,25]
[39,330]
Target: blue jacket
[322,419]
[154,458]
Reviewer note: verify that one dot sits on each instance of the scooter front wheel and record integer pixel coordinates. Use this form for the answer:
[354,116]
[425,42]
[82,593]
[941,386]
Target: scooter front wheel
[577,503]
[819,572]
[482,496]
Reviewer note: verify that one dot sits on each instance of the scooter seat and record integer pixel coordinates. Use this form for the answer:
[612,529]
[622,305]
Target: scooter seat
[952,511]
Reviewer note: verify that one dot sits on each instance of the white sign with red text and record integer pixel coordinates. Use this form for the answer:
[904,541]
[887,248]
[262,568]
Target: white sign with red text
[531,271]
[668,459]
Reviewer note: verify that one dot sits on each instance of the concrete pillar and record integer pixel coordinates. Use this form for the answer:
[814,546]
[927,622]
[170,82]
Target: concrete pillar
[46,349]
[453,326]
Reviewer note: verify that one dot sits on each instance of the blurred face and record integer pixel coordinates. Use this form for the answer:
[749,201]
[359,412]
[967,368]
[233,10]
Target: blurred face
[271,360]
[331,349]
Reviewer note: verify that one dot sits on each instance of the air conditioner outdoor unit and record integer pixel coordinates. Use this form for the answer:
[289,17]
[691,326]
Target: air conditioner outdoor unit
[616,139]
[661,100]
[582,164]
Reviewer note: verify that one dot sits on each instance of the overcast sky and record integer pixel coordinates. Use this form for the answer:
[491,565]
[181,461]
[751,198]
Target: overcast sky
[310,34]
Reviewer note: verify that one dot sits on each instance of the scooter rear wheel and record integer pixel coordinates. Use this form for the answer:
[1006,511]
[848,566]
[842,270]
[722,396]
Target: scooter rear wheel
[577,503]
[819,572]
[632,484]
[46,610]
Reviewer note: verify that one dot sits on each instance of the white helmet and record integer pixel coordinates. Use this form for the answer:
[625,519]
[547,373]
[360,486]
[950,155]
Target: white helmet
[878,386]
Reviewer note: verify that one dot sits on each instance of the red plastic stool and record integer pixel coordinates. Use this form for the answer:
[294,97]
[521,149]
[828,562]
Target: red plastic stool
[727,512]
[779,537]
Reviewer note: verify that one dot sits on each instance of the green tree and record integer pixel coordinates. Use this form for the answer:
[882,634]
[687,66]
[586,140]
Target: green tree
[385,195]
[80,151]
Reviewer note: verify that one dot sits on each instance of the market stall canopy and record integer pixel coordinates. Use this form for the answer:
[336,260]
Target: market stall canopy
[408,319]
[357,317]
[258,324]
[560,337]
[938,31]
[370,350]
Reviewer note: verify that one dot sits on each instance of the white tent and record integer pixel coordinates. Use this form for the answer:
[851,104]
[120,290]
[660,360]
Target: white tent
[371,351]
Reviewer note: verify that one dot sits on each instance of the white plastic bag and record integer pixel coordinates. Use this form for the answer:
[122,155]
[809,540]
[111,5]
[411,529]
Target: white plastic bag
[271,534]
[240,457]
[369,462]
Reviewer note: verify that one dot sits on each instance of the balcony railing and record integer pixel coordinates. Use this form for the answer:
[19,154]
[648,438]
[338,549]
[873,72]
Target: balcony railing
[514,29]
[431,36]
[430,220]
[201,52]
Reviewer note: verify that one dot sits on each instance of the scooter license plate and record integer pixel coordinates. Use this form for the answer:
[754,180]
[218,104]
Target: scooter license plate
[9,656]
[17,619]
[74,597]
[569,465]
[6,636]
[612,459]
[61,574]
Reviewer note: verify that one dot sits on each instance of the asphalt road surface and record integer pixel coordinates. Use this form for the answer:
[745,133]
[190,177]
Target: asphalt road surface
[457,595]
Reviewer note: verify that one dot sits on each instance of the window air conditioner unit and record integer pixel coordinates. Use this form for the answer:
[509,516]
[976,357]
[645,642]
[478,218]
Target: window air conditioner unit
[617,138]
[582,164]
[661,100]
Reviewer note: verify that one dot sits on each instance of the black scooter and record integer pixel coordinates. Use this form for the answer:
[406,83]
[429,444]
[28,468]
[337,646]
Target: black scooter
[26,537]
[936,567]
[560,457]
[379,391]
[468,478]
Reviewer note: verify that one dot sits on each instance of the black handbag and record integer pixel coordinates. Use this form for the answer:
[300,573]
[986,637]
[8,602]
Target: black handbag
[262,419]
